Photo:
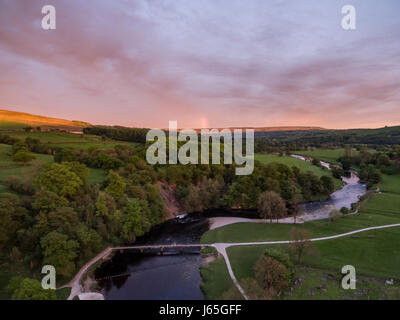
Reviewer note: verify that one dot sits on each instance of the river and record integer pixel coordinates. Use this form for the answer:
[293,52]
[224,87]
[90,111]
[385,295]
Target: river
[131,274]
[171,276]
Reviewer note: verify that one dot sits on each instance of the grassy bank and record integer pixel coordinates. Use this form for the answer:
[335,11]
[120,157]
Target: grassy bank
[379,209]
[302,165]
[374,254]
[217,284]
[327,155]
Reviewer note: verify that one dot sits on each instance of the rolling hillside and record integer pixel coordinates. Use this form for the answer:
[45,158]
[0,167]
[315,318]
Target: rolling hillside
[19,120]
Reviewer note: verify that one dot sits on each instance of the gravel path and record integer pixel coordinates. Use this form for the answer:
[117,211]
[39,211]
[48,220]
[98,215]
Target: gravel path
[76,288]
[75,283]
[221,247]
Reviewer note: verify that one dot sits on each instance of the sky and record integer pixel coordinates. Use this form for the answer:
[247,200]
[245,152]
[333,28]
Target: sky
[204,63]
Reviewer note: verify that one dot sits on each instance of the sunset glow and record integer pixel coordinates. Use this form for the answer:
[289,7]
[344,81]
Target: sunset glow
[203,63]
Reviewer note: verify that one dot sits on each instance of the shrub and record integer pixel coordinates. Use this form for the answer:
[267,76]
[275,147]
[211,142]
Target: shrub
[344,210]
[334,215]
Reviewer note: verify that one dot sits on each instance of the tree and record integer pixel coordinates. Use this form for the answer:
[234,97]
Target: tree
[59,252]
[344,210]
[300,244]
[60,179]
[23,156]
[253,290]
[337,172]
[271,275]
[64,220]
[135,221]
[19,146]
[105,161]
[271,205]
[347,151]
[8,218]
[346,163]
[64,154]
[46,201]
[31,289]
[117,185]
[295,207]
[105,205]
[328,186]
[316,162]
[15,255]
[383,160]
[90,241]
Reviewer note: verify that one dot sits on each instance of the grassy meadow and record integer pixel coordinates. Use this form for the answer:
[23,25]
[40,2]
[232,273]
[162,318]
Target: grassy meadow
[9,125]
[379,209]
[217,282]
[374,254]
[327,155]
[10,168]
[292,162]
[53,139]
[302,165]
[65,139]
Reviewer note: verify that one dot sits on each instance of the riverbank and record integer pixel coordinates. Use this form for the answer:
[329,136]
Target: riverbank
[374,252]
[196,222]
[249,232]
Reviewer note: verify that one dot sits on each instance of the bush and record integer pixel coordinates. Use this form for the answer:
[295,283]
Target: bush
[282,257]
[344,210]
[334,215]
[16,183]
[271,275]
[23,156]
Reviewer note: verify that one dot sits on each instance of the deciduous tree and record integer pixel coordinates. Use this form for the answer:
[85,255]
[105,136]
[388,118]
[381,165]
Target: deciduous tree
[60,252]
[271,206]
[301,244]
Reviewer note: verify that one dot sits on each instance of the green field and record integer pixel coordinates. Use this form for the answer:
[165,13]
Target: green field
[10,168]
[217,282]
[64,139]
[374,253]
[390,184]
[327,155]
[97,175]
[290,162]
[380,209]
[319,284]
[302,165]
[60,139]
[8,125]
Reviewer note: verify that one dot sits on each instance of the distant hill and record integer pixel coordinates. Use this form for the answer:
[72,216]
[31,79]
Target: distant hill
[17,120]
[271,129]
[288,128]
[331,138]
